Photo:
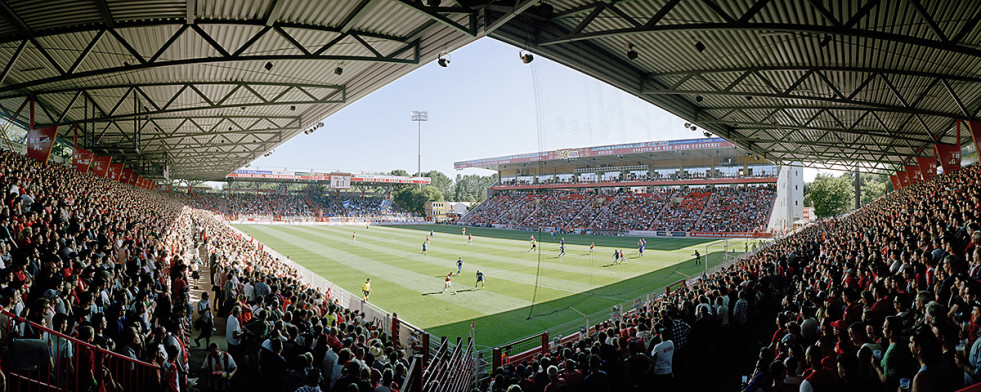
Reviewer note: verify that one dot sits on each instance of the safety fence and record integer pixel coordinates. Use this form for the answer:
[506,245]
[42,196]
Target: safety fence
[36,358]
[450,369]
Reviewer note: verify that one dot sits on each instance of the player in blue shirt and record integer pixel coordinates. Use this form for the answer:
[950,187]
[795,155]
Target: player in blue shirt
[480,279]
[459,265]
[616,256]
[430,233]
[424,249]
[561,250]
[562,241]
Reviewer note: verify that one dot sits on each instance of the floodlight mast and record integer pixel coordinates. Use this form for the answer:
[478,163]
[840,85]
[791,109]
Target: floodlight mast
[419,116]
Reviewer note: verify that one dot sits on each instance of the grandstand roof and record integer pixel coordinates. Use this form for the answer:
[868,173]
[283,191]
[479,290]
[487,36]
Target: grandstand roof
[206,86]
[668,152]
[872,83]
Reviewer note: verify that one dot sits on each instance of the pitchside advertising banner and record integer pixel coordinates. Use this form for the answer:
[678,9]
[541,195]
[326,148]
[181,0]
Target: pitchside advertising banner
[928,167]
[100,166]
[306,176]
[570,153]
[40,142]
[82,159]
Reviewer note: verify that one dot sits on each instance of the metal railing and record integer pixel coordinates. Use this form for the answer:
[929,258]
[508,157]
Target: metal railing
[36,358]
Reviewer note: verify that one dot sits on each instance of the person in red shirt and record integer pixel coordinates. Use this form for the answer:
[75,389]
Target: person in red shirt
[818,378]
[169,379]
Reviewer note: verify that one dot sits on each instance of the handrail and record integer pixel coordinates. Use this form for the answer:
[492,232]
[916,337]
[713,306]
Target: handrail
[74,340]
[52,374]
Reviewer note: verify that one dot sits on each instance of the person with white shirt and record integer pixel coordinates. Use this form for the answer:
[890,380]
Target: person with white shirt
[663,355]
[233,334]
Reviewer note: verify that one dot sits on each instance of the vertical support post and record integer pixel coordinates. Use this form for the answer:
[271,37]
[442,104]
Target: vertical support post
[495,359]
[858,188]
[416,375]
[425,347]
[544,343]
[30,99]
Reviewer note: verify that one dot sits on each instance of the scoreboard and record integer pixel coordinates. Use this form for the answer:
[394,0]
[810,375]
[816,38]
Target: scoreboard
[340,181]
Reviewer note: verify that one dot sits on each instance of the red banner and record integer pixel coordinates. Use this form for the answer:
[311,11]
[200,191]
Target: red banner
[913,174]
[975,127]
[732,234]
[928,167]
[82,159]
[115,171]
[125,176]
[949,156]
[903,179]
[40,142]
[100,165]
[895,182]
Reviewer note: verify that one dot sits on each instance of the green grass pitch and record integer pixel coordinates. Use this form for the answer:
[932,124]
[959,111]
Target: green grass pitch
[409,283]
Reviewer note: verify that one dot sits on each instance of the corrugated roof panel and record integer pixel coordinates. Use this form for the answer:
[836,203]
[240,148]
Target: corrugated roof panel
[38,15]
[232,9]
[391,18]
[146,9]
[330,13]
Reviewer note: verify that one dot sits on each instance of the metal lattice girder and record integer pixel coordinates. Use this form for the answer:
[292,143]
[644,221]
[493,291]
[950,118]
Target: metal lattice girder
[743,23]
[446,15]
[753,71]
[157,99]
[406,52]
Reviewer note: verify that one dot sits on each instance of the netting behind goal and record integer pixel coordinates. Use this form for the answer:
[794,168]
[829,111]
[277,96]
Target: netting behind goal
[573,110]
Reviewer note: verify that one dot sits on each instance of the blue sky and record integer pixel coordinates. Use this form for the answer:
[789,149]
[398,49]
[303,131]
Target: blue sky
[482,105]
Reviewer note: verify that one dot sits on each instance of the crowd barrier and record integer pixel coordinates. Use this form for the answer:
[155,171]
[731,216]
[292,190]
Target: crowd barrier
[54,362]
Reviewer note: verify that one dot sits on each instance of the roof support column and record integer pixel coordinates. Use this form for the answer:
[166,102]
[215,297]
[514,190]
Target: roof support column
[858,188]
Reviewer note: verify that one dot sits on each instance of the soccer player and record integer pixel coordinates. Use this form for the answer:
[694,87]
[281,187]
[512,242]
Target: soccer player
[698,257]
[431,232]
[561,250]
[480,279]
[464,231]
[562,242]
[616,256]
[469,239]
[459,265]
[623,257]
[424,248]
[366,288]
[591,246]
[640,247]
[447,285]
[354,237]
[533,246]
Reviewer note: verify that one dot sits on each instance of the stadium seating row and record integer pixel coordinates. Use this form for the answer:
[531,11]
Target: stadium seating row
[720,209]
[99,274]
[883,299]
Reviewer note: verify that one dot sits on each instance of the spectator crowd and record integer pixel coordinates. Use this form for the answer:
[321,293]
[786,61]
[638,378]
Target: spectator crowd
[98,270]
[884,299]
[719,209]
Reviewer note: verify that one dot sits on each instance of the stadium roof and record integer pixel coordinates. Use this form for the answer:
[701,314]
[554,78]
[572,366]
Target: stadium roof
[825,83]
[206,86]
[704,151]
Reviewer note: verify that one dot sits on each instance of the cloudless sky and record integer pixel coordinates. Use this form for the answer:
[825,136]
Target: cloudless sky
[483,105]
